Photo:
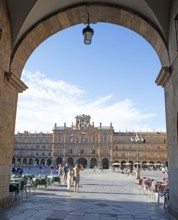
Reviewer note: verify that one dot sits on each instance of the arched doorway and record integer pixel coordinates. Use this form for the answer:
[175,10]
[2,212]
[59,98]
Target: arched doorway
[58,160]
[19,161]
[24,161]
[70,161]
[31,161]
[36,162]
[83,162]
[144,166]
[49,162]
[105,163]
[93,162]
[43,162]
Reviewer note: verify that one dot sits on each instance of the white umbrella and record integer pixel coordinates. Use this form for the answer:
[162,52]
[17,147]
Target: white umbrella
[137,163]
[116,164]
[148,164]
[158,164]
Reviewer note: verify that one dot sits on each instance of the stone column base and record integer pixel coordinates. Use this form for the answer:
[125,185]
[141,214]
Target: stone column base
[5,202]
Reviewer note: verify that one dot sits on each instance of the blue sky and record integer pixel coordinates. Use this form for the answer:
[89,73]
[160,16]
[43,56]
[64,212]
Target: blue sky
[112,80]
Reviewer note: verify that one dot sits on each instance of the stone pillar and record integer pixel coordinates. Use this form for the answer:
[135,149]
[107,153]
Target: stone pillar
[171,95]
[168,78]
[8,103]
[7,107]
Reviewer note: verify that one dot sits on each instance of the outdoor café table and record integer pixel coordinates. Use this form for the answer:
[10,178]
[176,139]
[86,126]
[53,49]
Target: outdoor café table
[40,181]
[17,181]
[53,178]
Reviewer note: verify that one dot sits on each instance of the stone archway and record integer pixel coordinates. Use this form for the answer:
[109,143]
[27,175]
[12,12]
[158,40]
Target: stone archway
[98,13]
[31,161]
[58,160]
[24,161]
[105,163]
[70,161]
[93,163]
[82,161]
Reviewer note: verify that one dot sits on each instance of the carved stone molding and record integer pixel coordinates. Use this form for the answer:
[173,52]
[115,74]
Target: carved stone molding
[15,82]
[163,76]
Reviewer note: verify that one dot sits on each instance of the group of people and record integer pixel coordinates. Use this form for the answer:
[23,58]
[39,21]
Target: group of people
[17,169]
[71,175]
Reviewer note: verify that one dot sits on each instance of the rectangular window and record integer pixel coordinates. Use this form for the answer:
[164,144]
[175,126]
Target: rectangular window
[93,139]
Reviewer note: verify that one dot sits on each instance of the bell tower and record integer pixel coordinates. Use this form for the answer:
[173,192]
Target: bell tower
[82,121]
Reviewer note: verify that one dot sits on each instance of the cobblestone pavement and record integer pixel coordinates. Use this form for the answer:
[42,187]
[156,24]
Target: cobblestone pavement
[102,196]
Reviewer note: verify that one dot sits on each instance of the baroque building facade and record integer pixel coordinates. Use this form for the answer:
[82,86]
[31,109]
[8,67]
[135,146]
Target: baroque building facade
[89,145]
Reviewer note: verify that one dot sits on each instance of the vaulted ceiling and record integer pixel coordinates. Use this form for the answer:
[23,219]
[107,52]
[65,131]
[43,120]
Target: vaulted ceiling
[24,15]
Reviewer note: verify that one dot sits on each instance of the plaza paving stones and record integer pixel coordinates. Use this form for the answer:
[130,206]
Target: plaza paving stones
[102,196]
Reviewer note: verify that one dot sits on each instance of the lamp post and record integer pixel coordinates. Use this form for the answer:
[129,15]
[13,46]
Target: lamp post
[137,139]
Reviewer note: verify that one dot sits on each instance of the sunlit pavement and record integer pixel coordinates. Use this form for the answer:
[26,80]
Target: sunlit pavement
[104,195]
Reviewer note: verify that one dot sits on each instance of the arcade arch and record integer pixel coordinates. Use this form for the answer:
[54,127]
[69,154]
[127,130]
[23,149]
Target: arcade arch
[49,162]
[77,15]
[93,163]
[82,161]
[58,160]
[105,163]
[24,161]
[70,161]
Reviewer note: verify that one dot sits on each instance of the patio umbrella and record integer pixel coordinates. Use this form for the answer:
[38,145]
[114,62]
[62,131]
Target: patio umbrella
[116,164]
[158,164]
[148,164]
[138,163]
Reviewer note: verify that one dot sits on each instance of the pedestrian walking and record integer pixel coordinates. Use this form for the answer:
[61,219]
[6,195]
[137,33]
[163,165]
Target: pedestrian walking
[65,173]
[51,166]
[60,170]
[76,178]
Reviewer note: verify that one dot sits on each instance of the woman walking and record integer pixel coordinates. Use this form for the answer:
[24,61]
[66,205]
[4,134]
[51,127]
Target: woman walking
[77,169]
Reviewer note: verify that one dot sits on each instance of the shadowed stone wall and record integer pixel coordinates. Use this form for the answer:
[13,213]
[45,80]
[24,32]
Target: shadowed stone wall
[9,89]
[7,106]
[171,99]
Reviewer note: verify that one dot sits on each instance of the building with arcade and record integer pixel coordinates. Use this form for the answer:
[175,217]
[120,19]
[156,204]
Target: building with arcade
[89,145]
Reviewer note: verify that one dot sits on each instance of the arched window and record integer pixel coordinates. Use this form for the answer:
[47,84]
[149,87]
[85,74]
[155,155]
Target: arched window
[105,163]
[93,162]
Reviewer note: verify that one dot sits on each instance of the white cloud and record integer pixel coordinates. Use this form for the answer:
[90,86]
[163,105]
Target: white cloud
[50,101]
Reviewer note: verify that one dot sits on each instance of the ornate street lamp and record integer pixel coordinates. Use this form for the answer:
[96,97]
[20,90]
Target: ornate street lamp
[137,139]
[88,32]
